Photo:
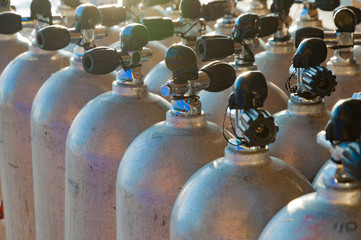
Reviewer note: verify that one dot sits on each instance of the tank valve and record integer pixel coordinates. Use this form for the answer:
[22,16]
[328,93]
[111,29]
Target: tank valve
[313,81]
[103,60]
[254,127]
[11,23]
[248,28]
[343,39]
[190,24]
[281,9]
[87,20]
[342,135]
[309,11]
[187,80]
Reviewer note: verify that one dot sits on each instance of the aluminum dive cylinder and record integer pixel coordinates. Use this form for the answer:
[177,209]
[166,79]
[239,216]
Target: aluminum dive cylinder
[334,210]
[321,139]
[306,114]
[19,83]
[275,61]
[55,106]
[247,29]
[101,133]
[189,26]
[229,197]
[11,42]
[161,159]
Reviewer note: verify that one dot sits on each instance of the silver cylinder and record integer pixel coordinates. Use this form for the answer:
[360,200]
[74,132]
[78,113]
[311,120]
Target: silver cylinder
[332,213]
[19,83]
[154,169]
[54,108]
[97,139]
[214,104]
[234,196]
[10,47]
[297,137]
[275,62]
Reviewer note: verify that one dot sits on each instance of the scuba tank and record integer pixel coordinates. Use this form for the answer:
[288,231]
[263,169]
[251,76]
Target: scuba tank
[19,83]
[245,33]
[306,110]
[334,211]
[101,133]
[229,198]
[189,26]
[275,61]
[342,64]
[55,106]
[161,159]
[258,7]
[11,43]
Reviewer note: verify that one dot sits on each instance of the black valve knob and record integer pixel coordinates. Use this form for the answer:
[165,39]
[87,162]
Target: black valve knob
[307,32]
[10,23]
[40,7]
[279,6]
[150,3]
[344,125]
[101,60]
[247,26]
[134,37]
[215,10]
[356,11]
[182,61]
[311,52]
[352,160]
[159,28]
[250,91]
[4,3]
[191,9]
[327,5]
[269,25]
[71,3]
[214,47]
[318,81]
[53,37]
[112,15]
[345,20]
[87,16]
[221,75]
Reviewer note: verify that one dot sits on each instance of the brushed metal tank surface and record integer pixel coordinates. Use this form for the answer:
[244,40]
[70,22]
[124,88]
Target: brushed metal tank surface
[10,47]
[97,139]
[347,84]
[275,62]
[297,137]
[2,229]
[154,169]
[19,83]
[330,213]
[235,196]
[55,106]
[215,104]
[327,167]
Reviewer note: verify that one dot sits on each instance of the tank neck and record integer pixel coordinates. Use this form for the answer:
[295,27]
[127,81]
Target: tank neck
[76,61]
[347,193]
[306,106]
[240,154]
[183,121]
[275,47]
[225,25]
[343,63]
[139,90]
[241,69]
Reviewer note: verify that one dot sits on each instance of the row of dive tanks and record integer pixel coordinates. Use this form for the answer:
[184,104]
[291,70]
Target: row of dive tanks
[87,157]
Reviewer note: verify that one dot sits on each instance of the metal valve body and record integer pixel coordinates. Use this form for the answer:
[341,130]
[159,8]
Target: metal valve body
[19,83]
[230,198]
